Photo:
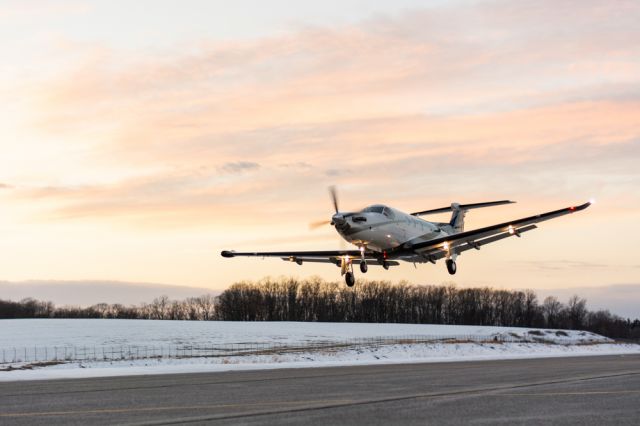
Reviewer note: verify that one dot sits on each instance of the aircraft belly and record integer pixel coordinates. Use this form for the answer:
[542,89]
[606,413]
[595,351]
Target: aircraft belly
[378,239]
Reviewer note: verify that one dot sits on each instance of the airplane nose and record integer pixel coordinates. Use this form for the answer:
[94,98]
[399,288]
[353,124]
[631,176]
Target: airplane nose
[339,221]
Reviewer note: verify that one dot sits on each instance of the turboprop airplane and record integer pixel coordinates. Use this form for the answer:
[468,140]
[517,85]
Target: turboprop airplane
[384,236]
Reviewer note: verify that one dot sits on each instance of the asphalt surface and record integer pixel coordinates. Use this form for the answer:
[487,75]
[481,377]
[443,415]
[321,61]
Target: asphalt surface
[586,390]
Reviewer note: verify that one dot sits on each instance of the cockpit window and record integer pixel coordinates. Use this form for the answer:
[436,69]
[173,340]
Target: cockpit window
[374,209]
[388,213]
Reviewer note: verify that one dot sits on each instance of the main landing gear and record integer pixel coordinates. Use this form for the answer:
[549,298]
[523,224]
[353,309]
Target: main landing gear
[346,267]
[350,279]
[451,266]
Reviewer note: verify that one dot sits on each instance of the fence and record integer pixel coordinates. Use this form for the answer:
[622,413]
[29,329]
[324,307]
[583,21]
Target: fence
[133,352]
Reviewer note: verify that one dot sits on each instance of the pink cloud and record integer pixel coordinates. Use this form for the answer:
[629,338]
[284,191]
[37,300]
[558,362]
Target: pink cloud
[489,88]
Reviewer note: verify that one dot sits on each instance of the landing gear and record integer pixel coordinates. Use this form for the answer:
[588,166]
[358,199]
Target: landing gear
[451,266]
[350,279]
[363,267]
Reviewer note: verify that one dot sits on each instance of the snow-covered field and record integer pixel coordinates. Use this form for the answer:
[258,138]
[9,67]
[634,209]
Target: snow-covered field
[101,333]
[105,332]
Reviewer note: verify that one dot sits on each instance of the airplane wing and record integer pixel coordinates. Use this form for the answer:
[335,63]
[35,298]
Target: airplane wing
[463,241]
[299,257]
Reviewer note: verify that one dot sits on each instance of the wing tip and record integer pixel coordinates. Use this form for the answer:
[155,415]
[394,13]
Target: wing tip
[227,253]
[581,206]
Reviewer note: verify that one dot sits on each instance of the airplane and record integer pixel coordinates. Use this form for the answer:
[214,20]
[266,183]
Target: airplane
[384,236]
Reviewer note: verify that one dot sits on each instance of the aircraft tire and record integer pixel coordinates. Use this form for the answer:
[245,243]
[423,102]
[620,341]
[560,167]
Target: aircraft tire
[350,279]
[451,266]
[364,267]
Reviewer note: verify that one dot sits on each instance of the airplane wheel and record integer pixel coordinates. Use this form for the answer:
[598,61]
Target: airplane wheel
[385,265]
[363,267]
[451,266]
[350,279]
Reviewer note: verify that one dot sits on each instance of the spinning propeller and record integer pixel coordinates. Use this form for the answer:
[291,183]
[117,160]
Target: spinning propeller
[338,218]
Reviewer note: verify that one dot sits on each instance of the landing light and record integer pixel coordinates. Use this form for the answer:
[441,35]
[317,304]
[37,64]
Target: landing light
[445,245]
[592,201]
[511,230]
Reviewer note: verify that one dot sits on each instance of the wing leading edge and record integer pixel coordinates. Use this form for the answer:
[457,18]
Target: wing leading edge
[327,256]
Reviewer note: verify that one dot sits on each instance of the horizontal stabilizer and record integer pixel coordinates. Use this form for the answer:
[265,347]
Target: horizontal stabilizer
[463,207]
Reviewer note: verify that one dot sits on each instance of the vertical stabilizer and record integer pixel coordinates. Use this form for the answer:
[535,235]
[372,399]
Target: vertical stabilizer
[457,217]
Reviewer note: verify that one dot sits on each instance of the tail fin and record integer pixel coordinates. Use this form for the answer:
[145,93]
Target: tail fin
[459,211]
[457,217]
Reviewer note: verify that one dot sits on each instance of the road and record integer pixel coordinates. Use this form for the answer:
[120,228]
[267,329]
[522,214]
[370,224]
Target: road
[584,390]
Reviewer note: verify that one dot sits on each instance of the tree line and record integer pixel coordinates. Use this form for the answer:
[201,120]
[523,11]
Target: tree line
[289,299]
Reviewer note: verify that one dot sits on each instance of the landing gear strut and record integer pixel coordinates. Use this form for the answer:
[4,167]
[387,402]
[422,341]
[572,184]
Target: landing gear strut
[350,279]
[451,266]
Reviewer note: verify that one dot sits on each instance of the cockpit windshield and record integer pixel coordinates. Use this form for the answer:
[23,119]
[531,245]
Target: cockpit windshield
[374,209]
[380,209]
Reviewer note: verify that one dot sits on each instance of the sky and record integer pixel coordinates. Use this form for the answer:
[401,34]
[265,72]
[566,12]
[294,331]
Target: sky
[139,139]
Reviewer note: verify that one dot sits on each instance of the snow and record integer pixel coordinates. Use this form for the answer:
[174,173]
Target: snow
[112,332]
[90,332]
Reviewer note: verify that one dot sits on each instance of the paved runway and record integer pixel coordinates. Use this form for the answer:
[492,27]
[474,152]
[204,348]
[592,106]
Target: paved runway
[585,390]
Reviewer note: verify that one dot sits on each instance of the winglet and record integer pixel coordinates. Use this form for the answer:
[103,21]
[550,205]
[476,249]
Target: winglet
[227,253]
[581,206]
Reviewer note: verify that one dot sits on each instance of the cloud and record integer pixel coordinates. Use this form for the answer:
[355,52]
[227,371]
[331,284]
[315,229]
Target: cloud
[5,186]
[90,292]
[487,99]
[619,299]
[298,165]
[239,167]
[333,172]
[562,264]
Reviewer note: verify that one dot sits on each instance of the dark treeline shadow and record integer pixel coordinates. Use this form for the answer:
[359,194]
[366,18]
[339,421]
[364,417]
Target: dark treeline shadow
[289,299]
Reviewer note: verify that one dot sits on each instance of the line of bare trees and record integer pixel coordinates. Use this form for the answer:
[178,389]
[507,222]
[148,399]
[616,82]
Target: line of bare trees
[369,301]
[381,301]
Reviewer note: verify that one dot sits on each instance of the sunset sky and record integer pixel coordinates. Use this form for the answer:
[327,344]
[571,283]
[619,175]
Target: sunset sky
[139,139]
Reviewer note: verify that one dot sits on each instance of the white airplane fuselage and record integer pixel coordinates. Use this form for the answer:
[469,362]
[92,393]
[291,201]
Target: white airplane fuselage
[387,229]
